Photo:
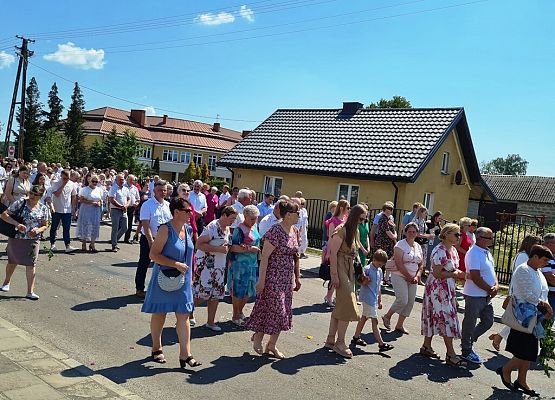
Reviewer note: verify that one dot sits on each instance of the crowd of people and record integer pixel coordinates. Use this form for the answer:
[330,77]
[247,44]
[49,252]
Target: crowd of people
[204,243]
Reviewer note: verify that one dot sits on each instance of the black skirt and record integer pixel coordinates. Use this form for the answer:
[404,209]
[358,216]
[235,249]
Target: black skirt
[523,345]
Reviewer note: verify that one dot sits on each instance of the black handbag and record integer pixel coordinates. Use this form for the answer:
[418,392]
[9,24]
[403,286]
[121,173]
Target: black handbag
[6,228]
[358,268]
[324,272]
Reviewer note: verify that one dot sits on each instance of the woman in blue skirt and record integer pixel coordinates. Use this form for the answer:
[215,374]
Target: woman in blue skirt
[170,288]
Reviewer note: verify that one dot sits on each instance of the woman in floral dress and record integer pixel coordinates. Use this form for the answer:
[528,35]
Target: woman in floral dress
[386,236]
[210,262]
[439,305]
[274,290]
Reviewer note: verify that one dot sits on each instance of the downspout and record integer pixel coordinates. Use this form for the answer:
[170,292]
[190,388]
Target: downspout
[232,176]
[396,192]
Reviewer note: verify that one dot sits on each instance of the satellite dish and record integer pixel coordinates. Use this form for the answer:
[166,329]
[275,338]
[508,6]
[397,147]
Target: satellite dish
[458,178]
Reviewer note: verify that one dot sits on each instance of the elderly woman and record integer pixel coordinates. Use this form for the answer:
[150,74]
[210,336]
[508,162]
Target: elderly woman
[386,236]
[465,243]
[90,213]
[210,264]
[439,305]
[279,268]
[343,247]
[172,253]
[211,205]
[529,289]
[244,263]
[23,249]
[18,186]
[404,277]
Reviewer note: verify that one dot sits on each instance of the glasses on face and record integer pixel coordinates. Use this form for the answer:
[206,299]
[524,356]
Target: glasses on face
[94,181]
[487,238]
[389,208]
[187,210]
[457,235]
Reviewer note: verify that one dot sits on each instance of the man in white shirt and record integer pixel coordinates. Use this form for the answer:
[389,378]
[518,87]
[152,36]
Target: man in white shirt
[151,184]
[243,200]
[43,169]
[222,199]
[480,287]
[133,204]
[62,199]
[198,200]
[549,270]
[3,178]
[119,200]
[154,212]
[269,220]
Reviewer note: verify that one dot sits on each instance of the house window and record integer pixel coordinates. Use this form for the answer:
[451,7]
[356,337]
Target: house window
[273,184]
[185,157]
[428,201]
[145,152]
[445,163]
[197,158]
[348,192]
[212,160]
[170,155]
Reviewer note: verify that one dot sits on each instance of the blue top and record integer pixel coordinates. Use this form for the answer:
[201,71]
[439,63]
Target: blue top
[265,209]
[370,293]
[408,217]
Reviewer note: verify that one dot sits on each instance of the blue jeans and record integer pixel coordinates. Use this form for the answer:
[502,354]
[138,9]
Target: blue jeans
[66,225]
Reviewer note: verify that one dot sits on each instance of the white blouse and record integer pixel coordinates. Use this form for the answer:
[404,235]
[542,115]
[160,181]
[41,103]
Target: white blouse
[529,285]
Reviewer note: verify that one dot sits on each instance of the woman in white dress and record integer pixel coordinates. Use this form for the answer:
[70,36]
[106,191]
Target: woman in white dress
[88,224]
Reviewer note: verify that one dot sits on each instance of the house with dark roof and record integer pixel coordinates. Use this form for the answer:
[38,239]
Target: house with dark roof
[173,141]
[364,155]
[532,195]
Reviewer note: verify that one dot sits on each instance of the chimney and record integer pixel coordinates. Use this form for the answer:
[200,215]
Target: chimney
[351,107]
[216,127]
[245,134]
[139,116]
[164,119]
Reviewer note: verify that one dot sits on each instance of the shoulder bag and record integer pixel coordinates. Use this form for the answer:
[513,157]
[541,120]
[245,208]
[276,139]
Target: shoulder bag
[172,279]
[508,318]
[6,228]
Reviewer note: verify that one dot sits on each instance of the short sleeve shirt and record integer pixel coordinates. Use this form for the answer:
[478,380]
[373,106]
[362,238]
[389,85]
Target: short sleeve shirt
[36,218]
[198,200]
[479,259]
[156,213]
[370,293]
[412,256]
[62,203]
[120,194]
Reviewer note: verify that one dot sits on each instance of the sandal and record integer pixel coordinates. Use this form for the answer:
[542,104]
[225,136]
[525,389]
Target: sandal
[357,341]
[344,353]
[190,361]
[158,356]
[330,344]
[274,353]
[257,346]
[385,347]
[428,352]
[386,323]
[455,361]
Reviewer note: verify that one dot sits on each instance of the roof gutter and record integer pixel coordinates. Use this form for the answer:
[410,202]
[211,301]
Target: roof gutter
[232,176]
[396,192]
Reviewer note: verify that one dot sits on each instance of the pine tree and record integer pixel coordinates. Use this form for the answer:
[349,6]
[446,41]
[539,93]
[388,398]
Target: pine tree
[204,173]
[110,147]
[126,153]
[33,121]
[54,115]
[74,127]
[190,173]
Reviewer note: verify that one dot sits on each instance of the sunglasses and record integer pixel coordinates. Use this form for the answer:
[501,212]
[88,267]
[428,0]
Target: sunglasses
[487,238]
[457,235]
[187,210]
[94,181]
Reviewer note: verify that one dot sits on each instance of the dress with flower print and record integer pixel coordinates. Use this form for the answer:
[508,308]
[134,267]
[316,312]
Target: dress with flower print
[35,218]
[439,305]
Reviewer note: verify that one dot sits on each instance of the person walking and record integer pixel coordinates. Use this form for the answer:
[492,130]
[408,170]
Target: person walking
[63,200]
[17,186]
[23,249]
[119,200]
[135,199]
[479,289]
[90,214]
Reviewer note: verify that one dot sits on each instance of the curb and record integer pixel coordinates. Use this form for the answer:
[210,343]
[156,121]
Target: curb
[70,362]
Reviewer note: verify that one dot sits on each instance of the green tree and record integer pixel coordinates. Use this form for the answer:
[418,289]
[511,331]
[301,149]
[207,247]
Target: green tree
[54,115]
[74,127]
[53,148]
[204,173]
[156,166]
[126,153]
[96,157]
[198,172]
[395,102]
[32,124]
[513,164]
[190,173]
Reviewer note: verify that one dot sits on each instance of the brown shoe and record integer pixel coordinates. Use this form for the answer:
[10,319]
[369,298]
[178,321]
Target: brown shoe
[140,294]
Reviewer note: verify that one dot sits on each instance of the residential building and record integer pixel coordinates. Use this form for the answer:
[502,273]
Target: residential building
[173,141]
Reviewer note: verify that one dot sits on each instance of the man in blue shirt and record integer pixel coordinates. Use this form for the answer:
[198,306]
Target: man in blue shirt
[408,217]
[267,206]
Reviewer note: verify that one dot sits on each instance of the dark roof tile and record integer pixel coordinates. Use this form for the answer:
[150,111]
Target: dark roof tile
[535,189]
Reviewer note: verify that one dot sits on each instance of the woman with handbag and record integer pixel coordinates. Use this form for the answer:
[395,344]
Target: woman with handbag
[405,277]
[528,290]
[17,186]
[343,247]
[30,218]
[170,288]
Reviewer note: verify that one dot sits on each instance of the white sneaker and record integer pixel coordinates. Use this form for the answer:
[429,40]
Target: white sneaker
[214,328]
[5,288]
[32,296]
[53,248]
[192,321]
[70,249]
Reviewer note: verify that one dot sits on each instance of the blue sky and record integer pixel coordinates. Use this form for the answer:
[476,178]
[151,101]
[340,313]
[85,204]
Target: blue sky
[242,60]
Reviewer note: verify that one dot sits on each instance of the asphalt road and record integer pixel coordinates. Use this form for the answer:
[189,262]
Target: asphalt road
[88,310]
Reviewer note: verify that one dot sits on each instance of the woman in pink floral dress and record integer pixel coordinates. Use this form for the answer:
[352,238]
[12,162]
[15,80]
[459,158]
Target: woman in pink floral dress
[439,305]
[274,291]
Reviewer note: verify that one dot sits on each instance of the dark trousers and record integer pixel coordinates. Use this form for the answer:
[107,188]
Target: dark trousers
[143,264]
[65,218]
[551,299]
[130,218]
[200,224]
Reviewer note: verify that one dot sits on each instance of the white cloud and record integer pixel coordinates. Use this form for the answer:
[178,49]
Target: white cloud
[215,19]
[6,59]
[70,54]
[246,13]
[150,110]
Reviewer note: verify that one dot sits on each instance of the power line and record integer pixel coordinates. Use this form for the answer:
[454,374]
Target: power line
[141,104]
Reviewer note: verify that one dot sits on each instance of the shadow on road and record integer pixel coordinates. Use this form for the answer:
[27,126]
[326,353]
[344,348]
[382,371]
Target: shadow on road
[11,298]
[292,365]
[227,367]
[503,394]
[314,308]
[435,370]
[128,264]
[111,303]
[133,369]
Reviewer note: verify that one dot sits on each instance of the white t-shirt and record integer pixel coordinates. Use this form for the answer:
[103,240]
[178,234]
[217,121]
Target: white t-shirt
[133,194]
[240,217]
[266,223]
[120,194]
[62,203]
[156,213]
[550,268]
[412,256]
[479,259]
[223,198]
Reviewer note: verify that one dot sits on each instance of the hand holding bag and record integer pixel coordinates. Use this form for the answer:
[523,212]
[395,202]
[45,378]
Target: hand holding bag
[6,228]
[508,318]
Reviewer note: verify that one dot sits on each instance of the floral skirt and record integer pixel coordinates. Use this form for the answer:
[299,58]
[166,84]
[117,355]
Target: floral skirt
[439,309]
[209,282]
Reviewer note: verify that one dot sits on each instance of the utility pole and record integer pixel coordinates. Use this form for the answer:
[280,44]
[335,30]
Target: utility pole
[23,54]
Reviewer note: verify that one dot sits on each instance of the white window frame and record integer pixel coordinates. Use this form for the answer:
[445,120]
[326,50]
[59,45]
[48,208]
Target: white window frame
[212,161]
[428,202]
[170,155]
[185,157]
[145,152]
[349,192]
[445,163]
[269,185]
[196,157]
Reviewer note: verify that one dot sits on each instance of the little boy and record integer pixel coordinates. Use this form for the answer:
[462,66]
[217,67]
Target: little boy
[371,298]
